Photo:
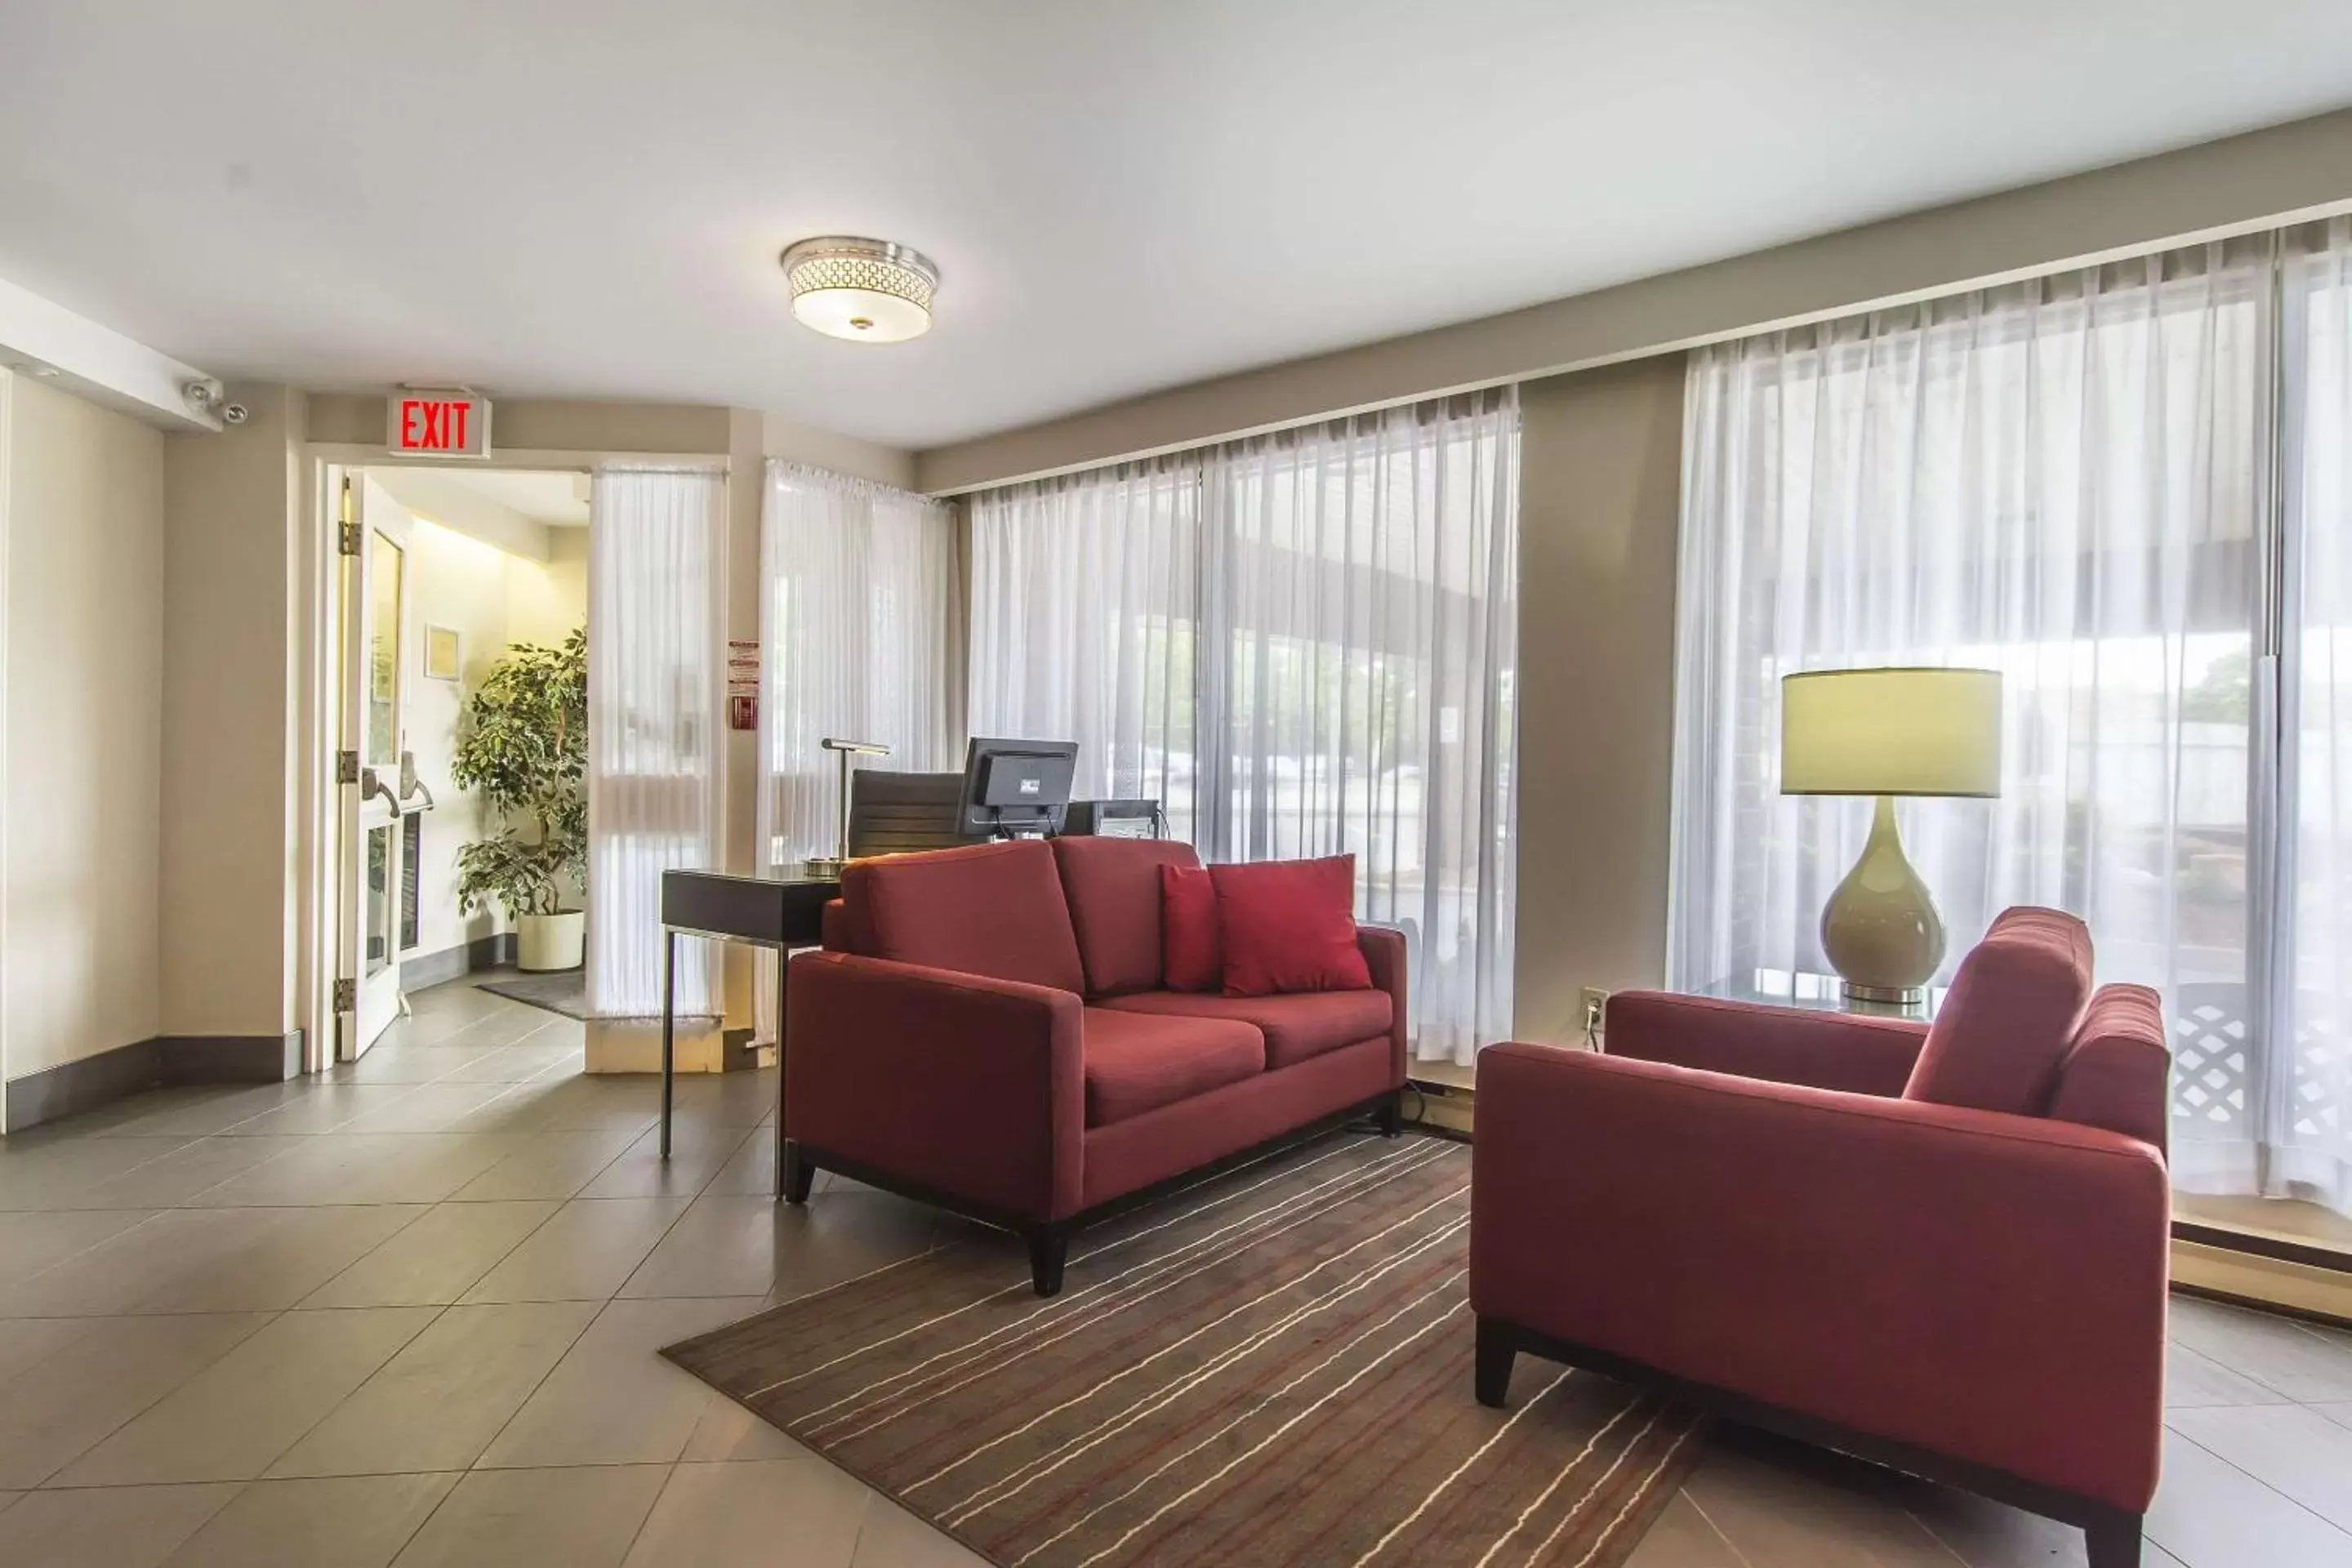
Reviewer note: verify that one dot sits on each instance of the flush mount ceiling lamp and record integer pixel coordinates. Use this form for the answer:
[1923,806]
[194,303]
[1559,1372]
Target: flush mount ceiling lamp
[866,290]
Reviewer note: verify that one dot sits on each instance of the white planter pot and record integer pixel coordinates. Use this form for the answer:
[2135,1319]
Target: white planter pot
[551,941]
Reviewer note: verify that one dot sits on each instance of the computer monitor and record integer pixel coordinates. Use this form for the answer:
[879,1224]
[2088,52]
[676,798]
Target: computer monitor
[1012,787]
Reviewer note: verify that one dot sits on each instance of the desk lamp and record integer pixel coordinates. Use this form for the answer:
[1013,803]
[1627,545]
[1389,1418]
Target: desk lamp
[831,865]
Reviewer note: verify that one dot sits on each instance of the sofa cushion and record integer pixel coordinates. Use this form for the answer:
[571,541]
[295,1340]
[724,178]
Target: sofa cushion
[1140,1061]
[2007,1024]
[994,909]
[2117,1071]
[1289,926]
[1192,958]
[1113,886]
[1305,1023]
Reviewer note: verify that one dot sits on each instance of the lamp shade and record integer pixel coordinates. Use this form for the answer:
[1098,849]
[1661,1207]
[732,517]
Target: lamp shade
[1891,731]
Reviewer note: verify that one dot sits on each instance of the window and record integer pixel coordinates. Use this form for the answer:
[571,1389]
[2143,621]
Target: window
[1301,645]
[2075,480]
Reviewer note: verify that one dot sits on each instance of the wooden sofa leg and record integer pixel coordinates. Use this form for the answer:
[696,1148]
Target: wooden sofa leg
[1391,1115]
[2114,1542]
[1496,1355]
[798,1173]
[1049,1249]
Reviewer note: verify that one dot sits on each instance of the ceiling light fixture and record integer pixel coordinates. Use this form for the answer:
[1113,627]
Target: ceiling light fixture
[868,290]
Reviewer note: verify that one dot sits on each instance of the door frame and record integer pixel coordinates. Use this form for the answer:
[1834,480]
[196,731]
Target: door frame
[317,732]
[378,996]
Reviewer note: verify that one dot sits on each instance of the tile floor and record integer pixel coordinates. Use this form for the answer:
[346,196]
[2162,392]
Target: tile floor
[406,1314]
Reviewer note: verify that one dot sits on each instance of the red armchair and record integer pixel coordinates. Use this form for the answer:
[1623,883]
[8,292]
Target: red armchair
[1941,1248]
[988,1031]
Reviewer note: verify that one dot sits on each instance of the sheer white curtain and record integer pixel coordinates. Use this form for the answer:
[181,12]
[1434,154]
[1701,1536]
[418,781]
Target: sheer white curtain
[2306,1100]
[657,585]
[2064,480]
[861,634]
[1302,643]
[1086,605]
[1365,603]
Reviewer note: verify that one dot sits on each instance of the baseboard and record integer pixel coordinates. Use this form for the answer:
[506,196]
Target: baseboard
[84,1085]
[231,1059]
[2265,1284]
[420,970]
[73,1087]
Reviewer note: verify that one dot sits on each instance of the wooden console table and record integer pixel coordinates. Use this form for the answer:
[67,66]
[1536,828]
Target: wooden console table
[779,913]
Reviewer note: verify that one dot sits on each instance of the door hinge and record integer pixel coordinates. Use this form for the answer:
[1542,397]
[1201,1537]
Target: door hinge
[347,996]
[347,539]
[347,767]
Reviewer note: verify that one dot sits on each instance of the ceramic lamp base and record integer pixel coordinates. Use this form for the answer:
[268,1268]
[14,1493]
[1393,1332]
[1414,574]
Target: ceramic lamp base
[1880,928]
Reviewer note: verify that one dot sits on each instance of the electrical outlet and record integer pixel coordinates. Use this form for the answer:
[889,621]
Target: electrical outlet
[1595,1008]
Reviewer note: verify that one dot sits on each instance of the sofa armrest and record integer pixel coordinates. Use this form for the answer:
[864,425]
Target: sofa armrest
[1850,1051]
[1984,1285]
[972,1087]
[1384,955]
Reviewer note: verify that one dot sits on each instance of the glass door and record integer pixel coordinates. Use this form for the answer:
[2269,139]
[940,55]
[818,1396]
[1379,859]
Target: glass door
[374,687]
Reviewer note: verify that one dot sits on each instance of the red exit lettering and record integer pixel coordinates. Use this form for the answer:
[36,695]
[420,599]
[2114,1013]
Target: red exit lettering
[433,425]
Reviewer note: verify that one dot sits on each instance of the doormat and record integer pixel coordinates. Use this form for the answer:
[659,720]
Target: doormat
[563,991]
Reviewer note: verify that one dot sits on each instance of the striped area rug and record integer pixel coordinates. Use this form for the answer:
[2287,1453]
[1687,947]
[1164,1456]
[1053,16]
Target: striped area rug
[1271,1367]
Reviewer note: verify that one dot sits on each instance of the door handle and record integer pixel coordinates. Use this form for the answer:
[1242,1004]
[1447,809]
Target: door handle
[410,785]
[371,784]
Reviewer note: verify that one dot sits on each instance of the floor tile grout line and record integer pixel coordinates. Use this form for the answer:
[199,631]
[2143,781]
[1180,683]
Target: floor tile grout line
[675,1221]
[111,1237]
[92,1446]
[311,1082]
[524,1403]
[459,1299]
[2209,1356]
[1720,1534]
[421,1329]
[1932,1533]
[2224,1459]
[2237,1370]
[638,1533]
[420,1333]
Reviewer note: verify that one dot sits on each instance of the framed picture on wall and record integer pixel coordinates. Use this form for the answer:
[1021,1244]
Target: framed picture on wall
[443,653]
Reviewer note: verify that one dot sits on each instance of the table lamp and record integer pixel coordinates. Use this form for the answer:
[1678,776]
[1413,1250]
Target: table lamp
[1887,733]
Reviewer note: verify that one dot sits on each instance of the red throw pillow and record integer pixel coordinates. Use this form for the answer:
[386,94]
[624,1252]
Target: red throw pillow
[1191,957]
[1289,925]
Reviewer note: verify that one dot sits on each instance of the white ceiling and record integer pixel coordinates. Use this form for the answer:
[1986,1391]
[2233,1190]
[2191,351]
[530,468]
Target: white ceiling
[587,198]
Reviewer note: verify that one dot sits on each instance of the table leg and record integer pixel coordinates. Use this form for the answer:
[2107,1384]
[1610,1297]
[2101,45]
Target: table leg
[669,1028]
[783,964]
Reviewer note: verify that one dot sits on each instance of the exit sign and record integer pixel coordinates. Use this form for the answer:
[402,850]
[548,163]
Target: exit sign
[443,424]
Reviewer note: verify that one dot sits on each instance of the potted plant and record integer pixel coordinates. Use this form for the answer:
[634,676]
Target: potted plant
[523,751]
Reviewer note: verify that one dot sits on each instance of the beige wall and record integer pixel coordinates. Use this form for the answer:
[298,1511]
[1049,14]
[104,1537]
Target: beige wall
[545,602]
[1599,482]
[782,438]
[82,527]
[2239,183]
[229,819]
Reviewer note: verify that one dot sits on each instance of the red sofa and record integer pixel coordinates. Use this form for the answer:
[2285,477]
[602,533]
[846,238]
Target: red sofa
[986,1030]
[1944,1249]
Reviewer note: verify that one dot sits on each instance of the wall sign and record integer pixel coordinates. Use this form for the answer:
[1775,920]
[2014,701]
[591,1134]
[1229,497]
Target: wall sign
[454,423]
[742,683]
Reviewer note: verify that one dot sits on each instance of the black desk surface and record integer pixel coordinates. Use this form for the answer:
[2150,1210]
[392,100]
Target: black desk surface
[774,911]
